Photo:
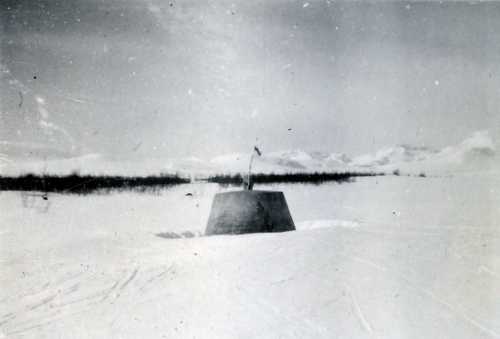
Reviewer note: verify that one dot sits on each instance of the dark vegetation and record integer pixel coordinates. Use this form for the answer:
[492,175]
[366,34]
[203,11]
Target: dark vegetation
[314,178]
[173,235]
[396,172]
[84,184]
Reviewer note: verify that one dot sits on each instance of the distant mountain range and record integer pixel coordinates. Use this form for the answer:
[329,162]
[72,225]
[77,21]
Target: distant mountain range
[476,153]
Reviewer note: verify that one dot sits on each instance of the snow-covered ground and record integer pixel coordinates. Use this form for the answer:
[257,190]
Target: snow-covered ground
[384,257]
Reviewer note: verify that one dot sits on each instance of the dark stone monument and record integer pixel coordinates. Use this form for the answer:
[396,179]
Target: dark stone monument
[249,212]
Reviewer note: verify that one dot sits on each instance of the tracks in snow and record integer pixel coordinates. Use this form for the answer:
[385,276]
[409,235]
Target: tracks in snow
[79,293]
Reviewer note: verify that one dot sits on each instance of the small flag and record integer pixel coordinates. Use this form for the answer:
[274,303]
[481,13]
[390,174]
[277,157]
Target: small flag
[257,150]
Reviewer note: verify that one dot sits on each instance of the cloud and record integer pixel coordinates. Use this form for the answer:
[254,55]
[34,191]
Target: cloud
[64,164]
[39,100]
[4,158]
[31,150]
[47,139]
[94,164]
[49,127]
[6,74]
[154,9]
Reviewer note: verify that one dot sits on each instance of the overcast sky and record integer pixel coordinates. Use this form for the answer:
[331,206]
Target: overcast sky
[139,79]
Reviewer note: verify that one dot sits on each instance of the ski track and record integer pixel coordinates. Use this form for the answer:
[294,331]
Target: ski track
[357,310]
[397,276]
[28,317]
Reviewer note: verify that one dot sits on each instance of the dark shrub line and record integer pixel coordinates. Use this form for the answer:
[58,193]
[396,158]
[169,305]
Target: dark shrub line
[84,184]
[273,178]
[75,183]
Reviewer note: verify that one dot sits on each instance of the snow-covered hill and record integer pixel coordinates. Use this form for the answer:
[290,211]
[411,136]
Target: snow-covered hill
[282,161]
[476,153]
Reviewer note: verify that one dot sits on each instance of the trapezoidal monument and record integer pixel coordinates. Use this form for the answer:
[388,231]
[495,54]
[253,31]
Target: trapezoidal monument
[249,211]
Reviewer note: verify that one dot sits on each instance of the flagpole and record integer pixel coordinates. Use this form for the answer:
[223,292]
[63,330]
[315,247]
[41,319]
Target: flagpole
[249,184]
[249,178]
